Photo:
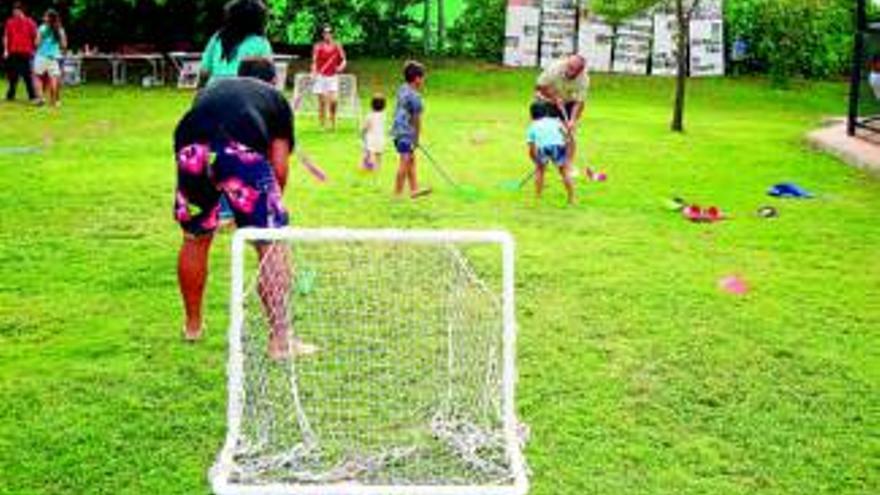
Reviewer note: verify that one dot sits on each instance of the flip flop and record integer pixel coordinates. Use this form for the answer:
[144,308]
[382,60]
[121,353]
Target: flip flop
[693,213]
[713,214]
[421,193]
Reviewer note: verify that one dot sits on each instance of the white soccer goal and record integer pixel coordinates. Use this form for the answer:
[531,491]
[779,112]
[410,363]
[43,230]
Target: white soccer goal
[412,389]
[305,101]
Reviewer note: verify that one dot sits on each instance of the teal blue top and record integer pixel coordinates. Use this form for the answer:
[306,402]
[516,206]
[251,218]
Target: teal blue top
[546,132]
[50,46]
[217,67]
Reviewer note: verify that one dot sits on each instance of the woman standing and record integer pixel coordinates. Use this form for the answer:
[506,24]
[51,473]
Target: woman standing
[242,36]
[328,61]
[51,44]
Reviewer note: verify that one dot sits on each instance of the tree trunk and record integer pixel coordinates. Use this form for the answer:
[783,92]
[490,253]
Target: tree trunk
[441,25]
[427,27]
[683,21]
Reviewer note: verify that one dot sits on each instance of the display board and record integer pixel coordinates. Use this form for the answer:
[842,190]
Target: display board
[632,45]
[539,31]
[707,40]
[558,29]
[521,33]
[595,41]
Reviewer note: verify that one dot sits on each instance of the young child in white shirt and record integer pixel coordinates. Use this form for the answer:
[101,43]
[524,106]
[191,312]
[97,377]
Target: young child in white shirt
[373,134]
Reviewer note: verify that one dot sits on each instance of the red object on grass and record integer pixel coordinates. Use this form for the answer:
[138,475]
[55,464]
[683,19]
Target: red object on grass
[693,213]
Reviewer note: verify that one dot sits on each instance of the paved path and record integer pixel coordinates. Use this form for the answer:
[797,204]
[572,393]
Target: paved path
[862,151]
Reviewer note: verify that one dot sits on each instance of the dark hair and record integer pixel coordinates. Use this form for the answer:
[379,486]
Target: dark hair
[538,110]
[18,6]
[378,103]
[258,68]
[54,23]
[413,70]
[242,18]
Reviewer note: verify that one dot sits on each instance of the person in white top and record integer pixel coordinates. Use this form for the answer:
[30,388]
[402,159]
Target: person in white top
[373,133]
[874,76]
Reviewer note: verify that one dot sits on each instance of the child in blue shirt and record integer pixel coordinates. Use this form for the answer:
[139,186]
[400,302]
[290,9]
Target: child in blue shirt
[407,129]
[549,142]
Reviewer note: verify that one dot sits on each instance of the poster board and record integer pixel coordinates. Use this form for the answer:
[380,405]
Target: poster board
[539,31]
[663,53]
[521,33]
[558,29]
[632,45]
[707,40]
[595,40]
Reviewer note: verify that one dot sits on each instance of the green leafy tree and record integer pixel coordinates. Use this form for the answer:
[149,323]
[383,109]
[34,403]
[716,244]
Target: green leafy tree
[479,30]
[790,38]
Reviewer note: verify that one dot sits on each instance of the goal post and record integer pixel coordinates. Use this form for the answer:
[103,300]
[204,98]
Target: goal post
[305,101]
[412,389]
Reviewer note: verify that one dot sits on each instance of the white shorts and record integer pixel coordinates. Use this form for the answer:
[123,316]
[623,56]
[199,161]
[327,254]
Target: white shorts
[874,81]
[46,67]
[326,84]
[375,143]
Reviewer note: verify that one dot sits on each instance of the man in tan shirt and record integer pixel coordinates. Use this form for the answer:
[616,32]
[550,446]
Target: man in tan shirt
[563,86]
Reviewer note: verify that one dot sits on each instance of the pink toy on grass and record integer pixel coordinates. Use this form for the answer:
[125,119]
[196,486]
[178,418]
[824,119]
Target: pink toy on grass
[733,284]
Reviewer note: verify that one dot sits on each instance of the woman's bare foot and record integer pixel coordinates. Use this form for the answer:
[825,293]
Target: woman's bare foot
[193,335]
[281,348]
[301,348]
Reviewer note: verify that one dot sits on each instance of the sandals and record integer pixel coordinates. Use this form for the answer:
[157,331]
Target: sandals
[694,213]
[421,193]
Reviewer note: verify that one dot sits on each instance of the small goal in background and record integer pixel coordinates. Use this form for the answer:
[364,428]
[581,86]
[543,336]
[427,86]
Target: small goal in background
[305,101]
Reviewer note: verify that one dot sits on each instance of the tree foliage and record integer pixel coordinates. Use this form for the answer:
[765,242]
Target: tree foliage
[788,38]
[479,31]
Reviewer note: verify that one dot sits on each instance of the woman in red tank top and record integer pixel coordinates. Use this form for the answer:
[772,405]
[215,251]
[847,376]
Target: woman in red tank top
[328,61]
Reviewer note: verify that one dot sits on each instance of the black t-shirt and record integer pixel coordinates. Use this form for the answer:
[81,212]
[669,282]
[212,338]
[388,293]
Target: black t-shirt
[245,110]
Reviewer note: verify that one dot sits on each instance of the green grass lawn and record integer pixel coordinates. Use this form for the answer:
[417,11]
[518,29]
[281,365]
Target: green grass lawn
[637,375]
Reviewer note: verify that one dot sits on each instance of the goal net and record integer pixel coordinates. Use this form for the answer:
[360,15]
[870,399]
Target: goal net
[305,101]
[411,390]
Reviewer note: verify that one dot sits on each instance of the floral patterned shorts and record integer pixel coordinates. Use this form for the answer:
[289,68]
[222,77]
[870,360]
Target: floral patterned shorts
[245,177]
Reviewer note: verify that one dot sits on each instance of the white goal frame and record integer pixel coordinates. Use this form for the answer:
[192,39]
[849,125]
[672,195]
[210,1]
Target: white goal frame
[220,472]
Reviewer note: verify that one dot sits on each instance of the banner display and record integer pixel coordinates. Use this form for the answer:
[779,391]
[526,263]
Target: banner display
[663,55]
[632,46]
[539,31]
[707,40]
[595,40]
[521,34]
[558,29]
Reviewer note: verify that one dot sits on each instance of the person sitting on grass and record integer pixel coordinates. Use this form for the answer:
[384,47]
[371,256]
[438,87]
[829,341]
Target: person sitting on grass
[874,76]
[407,128]
[51,43]
[246,125]
[548,142]
[373,134]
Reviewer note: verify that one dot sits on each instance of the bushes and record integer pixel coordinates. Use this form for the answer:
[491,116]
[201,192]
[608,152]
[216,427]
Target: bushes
[789,38]
[479,30]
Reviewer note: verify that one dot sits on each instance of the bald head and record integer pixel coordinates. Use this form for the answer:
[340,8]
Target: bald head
[575,66]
